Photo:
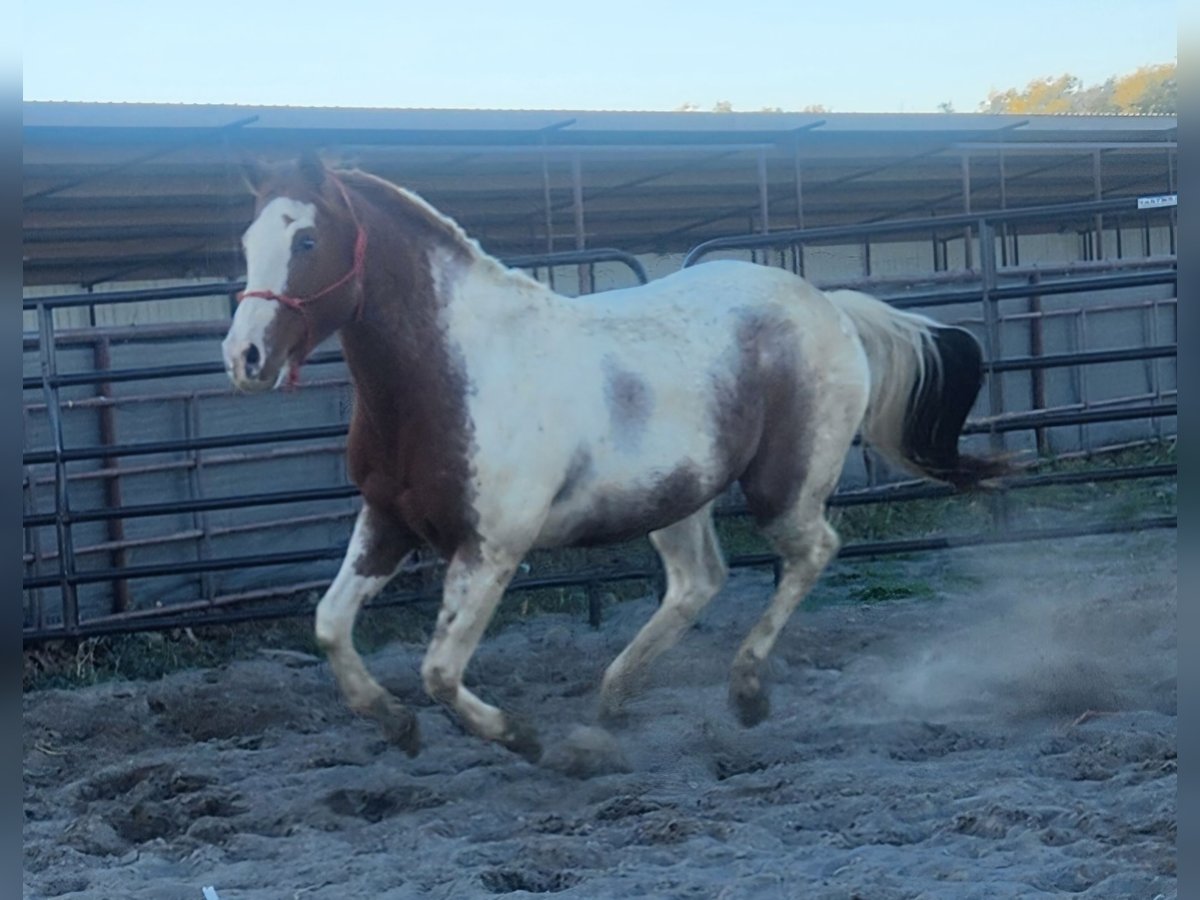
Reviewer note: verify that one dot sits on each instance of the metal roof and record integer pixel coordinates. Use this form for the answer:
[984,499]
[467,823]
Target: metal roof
[118,191]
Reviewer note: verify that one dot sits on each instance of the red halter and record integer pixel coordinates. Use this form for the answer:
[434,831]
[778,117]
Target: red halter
[355,274]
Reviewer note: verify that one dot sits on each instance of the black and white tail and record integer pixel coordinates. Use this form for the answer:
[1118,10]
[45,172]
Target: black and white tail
[924,380]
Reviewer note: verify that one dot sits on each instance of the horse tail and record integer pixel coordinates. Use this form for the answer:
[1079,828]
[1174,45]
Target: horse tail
[925,377]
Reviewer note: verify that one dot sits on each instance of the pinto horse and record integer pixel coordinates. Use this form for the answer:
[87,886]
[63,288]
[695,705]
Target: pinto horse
[493,416]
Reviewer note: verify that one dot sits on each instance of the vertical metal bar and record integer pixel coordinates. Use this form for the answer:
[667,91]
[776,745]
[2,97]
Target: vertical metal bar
[1004,261]
[1037,377]
[968,256]
[586,285]
[548,210]
[62,506]
[1085,436]
[1150,336]
[33,541]
[1172,187]
[798,176]
[102,360]
[764,212]
[1098,189]
[196,485]
[799,248]
[992,342]
[595,606]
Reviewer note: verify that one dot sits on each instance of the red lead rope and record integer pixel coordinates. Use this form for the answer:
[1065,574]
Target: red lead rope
[297,303]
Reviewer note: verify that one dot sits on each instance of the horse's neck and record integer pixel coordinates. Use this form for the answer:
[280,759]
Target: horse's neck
[397,351]
[424,285]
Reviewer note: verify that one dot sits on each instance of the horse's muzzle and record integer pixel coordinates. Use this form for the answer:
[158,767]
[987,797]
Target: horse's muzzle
[245,365]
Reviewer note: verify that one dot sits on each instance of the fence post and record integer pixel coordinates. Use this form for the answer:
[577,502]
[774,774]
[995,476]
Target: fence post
[62,505]
[595,609]
[1037,377]
[112,484]
[993,344]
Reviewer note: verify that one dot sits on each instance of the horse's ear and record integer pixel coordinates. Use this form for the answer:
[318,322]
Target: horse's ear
[312,169]
[254,173]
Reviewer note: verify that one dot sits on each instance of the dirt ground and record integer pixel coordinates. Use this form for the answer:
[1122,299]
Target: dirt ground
[1007,732]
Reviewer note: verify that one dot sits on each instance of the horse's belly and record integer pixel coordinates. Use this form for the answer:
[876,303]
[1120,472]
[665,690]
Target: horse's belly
[595,506]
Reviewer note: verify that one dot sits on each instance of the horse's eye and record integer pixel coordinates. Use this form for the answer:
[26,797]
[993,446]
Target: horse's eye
[305,244]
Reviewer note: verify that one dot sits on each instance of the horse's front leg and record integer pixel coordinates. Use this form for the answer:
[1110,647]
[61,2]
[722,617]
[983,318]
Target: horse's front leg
[378,547]
[475,582]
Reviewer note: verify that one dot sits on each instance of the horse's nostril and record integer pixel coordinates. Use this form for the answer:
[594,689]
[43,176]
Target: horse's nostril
[252,357]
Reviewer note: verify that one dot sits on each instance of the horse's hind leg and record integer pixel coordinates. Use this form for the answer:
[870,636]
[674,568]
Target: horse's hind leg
[806,542]
[695,573]
[786,487]
[475,582]
[377,548]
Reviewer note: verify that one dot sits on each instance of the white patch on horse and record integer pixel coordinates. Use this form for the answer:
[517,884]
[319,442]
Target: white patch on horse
[268,246]
[554,358]
[336,613]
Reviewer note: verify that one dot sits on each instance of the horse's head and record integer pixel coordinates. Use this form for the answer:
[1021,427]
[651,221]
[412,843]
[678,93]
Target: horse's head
[304,258]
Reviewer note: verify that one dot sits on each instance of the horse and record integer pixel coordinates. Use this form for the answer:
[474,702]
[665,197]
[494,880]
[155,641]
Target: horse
[493,416]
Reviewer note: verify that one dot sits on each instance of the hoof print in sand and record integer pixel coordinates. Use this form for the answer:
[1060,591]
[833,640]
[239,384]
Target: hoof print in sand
[375,806]
[534,881]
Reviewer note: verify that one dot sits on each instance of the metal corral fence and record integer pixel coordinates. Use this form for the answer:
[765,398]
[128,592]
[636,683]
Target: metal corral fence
[154,497]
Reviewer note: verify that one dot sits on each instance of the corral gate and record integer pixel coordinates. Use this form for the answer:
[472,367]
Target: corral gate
[224,508]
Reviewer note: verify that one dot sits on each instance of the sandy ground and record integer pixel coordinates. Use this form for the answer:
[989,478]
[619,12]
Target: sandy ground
[934,748]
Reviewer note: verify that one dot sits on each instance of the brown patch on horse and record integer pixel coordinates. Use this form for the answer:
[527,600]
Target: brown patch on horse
[388,542]
[622,514]
[630,402]
[409,212]
[763,411]
[409,434]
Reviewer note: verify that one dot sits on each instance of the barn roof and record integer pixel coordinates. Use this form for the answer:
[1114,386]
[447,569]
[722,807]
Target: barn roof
[134,191]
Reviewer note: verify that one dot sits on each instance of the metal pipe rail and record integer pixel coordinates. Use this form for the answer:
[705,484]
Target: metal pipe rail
[226,614]
[903,301]
[192,370]
[318,432]
[900,226]
[232,288]
[904,492]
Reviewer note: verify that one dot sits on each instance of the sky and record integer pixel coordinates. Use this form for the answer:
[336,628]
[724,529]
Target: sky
[847,55]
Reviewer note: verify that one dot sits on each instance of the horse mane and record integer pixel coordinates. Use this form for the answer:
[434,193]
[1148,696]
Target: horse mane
[403,203]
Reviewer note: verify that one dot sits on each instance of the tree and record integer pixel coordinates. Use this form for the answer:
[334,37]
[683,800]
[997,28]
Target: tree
[1151,89]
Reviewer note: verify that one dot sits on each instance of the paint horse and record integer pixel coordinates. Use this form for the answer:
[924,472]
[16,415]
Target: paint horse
[493,416]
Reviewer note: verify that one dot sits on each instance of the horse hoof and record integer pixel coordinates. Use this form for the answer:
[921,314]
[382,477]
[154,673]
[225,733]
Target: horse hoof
[750,702]
[611,713]
[399,724]
[521,738]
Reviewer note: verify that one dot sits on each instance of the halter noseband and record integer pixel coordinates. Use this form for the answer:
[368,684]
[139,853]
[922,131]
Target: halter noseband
[355,274]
